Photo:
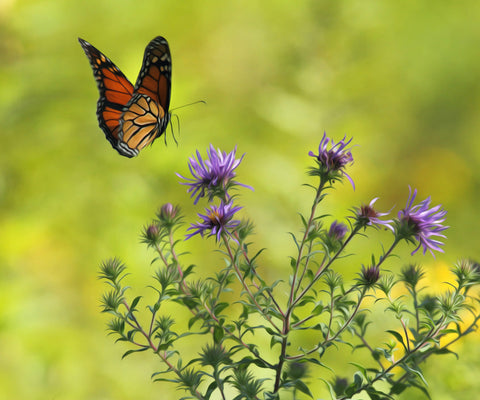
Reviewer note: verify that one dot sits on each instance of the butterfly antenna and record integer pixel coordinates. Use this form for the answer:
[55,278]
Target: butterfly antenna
[171,128]
[189,104]
[178,119]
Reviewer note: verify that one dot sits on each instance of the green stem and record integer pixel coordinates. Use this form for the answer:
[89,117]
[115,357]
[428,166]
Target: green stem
[322,269]
[255,273]
[245,286]
[295,284]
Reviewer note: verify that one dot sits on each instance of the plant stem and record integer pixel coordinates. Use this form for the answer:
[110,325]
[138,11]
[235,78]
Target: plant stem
[245,286]
[316,201]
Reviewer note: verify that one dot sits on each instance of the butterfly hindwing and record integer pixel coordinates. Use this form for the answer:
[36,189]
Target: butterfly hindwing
[115,92]
[133,117]
[139,123]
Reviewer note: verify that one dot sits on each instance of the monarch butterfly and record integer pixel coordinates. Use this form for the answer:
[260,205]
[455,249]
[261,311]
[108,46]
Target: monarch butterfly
[132,117]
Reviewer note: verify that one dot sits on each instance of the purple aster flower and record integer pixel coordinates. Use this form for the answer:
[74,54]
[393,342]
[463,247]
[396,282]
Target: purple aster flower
[213,176]
[332,161]
[216,221]
[422,223]
[366,215]
[337,230]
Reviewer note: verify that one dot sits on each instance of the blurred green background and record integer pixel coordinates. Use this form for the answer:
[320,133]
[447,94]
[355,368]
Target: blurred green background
[402,78]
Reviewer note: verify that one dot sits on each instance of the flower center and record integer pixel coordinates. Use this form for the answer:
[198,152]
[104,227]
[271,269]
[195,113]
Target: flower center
[215,217]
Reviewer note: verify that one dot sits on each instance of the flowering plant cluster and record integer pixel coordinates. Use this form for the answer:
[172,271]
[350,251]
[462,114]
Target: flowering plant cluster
[267,340]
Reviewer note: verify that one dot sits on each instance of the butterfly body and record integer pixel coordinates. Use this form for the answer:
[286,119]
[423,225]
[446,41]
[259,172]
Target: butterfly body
[132,117]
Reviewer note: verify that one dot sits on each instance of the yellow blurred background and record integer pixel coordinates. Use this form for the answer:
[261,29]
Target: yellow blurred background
[402,78]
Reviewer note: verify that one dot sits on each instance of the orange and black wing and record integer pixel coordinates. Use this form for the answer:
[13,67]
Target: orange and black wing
[145,117]
[155,77]
[140,123]
[115,92]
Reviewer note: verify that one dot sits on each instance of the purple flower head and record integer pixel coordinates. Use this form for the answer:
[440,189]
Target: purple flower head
[337,230]
[333,238]
[369,276]
[366,215]
[169,213]
[217,221]
[151,233]
[332,161]
[213,176]
[422,223]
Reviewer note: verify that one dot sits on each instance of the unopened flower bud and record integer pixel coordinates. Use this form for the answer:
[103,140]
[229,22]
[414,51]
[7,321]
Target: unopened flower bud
[337,230]
[412,274]
[168,215]
[370,275]
[168,211]
[152,232]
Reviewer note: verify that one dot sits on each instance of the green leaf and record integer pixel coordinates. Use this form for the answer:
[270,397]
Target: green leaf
[362,369]
[134,351]
[188,271]
[275,339]
[293,263]
[134,303]
[422,388]
[398,387]
[218,334]
[256,255]
[305,300]
[358,380]
[192,321]
[317,362]
[211,388]
[245,312]
[330,389]
[377,394]
[318,309]
[131,334]
[220,307]
[416,372]
[351,390]
[299,385]
[294,240]
[446,351]
[397,336]
[165,346]
[189,302]
[447,331]
[246,361]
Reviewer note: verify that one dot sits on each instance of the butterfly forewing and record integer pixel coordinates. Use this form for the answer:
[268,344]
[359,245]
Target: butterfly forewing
[115,91]
[155,76]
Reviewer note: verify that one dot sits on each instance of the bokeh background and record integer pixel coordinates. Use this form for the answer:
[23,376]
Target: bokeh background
[402,78]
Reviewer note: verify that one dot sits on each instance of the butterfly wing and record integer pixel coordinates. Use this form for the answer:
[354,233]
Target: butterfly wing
[140,123]
[153,87]
[115,92]
[155,77]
